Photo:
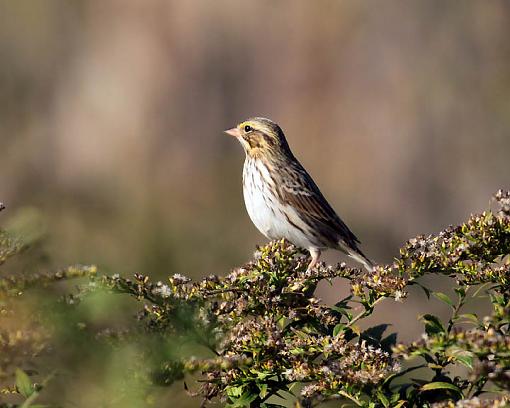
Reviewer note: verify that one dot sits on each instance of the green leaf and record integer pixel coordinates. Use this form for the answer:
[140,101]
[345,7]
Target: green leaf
[465,360]
[244,400]
[441,386]
[443,298]
[497,299]
[23,383]
[432,324]
[263,390]
[337,309]
[428,358]
[234,391]
[339,328]
[472,317]
[395,397]
[262,375]
[481,288]
[383,399]
[461,292]
[342,308]
[356,329]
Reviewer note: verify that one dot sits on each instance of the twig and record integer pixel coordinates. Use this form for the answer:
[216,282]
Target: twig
[353,399]
[364,313]
[28,402]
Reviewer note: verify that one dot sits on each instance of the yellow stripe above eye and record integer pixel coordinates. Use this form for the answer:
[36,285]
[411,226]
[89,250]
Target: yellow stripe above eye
[247,123]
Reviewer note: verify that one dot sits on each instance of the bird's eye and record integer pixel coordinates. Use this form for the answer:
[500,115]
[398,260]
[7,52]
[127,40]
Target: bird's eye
[248,128]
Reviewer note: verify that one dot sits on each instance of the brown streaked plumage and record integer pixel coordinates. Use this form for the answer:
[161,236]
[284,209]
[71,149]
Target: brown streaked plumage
[281,198]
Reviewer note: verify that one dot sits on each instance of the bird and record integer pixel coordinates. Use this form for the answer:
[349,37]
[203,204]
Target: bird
[282,199]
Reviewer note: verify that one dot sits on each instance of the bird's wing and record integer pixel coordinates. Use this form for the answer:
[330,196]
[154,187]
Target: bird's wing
[304,196]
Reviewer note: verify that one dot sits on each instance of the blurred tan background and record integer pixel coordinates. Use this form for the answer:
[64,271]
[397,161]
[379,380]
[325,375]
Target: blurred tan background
[112,112]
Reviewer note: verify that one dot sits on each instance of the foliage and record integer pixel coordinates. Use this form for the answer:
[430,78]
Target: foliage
[261,338]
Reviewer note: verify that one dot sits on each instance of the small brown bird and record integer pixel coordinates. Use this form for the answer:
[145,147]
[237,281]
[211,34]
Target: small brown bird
[282,199]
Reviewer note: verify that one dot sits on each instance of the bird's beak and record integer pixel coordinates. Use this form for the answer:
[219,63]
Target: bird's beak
[233,132]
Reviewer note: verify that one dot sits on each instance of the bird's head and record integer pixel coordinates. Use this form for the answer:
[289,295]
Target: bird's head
[260,137]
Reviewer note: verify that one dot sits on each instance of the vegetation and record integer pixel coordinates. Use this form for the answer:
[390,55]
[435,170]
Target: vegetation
[259,337]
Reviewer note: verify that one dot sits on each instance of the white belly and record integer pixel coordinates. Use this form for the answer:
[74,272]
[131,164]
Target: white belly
[265,210]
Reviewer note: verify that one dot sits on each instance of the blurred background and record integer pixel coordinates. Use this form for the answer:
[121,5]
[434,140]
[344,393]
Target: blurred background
[112,115]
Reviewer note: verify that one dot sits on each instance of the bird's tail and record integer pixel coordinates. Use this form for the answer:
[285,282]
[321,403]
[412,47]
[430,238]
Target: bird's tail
[360,257]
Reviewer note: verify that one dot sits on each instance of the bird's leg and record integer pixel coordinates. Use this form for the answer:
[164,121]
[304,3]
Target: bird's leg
[315,253]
